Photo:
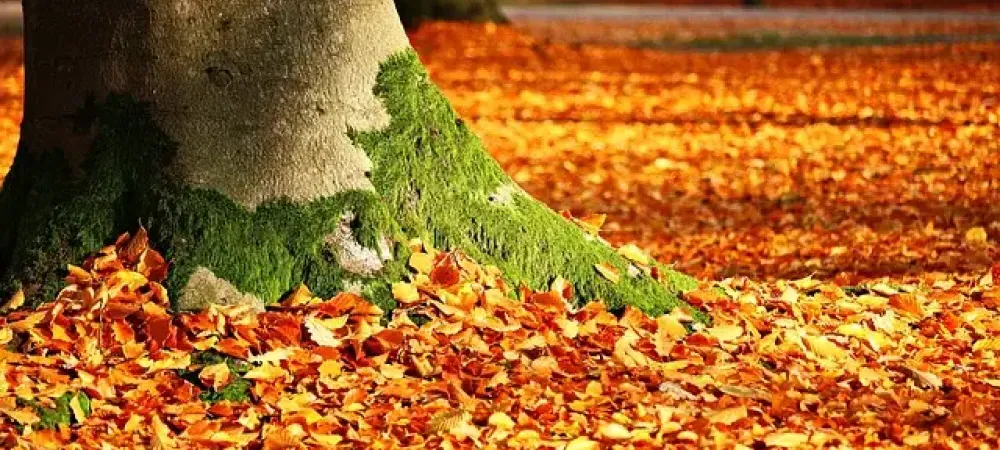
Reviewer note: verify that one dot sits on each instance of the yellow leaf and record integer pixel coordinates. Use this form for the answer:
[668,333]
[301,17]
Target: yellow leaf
[171,361]
[744,392]
[823,348]
[583,443]
[133,424]
[465,430]
[23,416]
[15,302]
[786,440]
[422,262]
[446,420]
[688,435]
[570,328]
[393,371]
[986,345]
[289,404]
[608,271]
[917,440]
[273,356]
[625,353]
[614,431]
[216,375]
[976,236]
[161,435]
[77,275]
[669,328]
[320,334]
[266,372]
[330,368]
[74,405]
[405,293]
[726,333]
[868,376]
[877,340]
[633,253]
[591,224]
[729,416]
[327,440]
[300,297]
[501,421]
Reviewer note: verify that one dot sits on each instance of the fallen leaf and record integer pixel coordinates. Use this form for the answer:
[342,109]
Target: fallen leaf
[583,443]
[786,440]
[405,293]
[633,253]
[162,436]
[614,431]
[15,302]
[609,272]
[217,376]
[726,333]
[728,416]
[320,334]
[976,236]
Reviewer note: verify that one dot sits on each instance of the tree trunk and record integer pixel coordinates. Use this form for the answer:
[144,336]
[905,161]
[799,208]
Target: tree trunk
[264,145]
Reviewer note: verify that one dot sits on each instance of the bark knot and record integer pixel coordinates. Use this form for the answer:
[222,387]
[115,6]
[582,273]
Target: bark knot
[351,255]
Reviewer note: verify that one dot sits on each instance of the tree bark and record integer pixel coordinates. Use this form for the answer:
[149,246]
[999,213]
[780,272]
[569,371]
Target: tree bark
[264,145]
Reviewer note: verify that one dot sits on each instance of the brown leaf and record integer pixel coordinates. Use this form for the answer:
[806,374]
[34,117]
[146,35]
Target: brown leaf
[132,250]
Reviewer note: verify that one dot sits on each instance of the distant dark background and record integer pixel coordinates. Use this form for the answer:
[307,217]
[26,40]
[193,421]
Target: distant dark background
[981,5]
[413,12]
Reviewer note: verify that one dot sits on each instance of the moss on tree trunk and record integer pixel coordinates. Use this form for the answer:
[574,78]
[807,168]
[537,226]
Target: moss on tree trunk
[432,179]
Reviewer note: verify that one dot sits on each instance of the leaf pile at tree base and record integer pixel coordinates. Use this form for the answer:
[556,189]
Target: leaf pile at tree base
[787,365]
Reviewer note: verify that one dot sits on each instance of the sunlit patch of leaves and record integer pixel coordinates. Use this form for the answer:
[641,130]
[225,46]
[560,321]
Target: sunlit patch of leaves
[828,163]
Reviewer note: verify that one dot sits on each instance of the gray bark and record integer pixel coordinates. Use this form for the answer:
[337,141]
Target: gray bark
[259,94]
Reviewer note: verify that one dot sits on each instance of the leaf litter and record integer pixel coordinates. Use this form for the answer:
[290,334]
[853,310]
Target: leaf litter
[791,364]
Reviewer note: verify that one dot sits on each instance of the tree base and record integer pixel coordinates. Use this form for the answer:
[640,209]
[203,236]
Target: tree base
[432,180]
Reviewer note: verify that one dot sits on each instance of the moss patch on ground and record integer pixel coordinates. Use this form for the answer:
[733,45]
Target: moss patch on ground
[238,389]
[60,413]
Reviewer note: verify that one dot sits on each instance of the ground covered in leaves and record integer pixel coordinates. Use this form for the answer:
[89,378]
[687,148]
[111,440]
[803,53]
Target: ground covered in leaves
[464,362]
[867,175]
[849,163]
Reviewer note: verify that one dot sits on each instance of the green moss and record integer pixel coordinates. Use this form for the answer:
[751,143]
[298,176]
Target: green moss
[432,177]
[266,252]
[271,250]
[441,184]
[60,414]
[238,389]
